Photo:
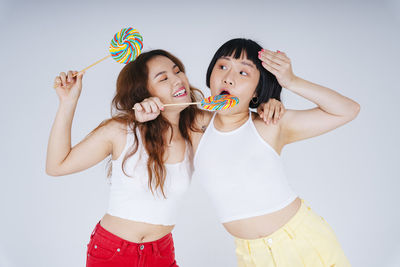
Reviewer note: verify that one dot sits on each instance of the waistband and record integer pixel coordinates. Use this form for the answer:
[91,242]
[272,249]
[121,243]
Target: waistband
[287,230]
[128,246]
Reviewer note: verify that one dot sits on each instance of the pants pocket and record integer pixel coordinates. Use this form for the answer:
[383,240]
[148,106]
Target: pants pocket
[243,258]
[166,252]
[101,249]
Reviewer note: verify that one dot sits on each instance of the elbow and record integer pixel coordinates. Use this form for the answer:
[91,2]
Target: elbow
[355,110]
[52,172]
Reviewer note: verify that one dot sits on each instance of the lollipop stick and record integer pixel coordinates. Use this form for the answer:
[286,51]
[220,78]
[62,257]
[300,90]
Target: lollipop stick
[179,104]
[97,62]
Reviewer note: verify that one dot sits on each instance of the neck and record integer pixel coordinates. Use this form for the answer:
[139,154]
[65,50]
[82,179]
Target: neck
[228,122]
[173,118]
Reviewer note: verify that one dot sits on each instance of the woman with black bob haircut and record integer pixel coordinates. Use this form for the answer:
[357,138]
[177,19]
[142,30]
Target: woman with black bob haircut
[237,158]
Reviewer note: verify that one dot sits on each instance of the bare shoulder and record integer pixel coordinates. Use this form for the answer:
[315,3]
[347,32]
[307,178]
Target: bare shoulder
[202,122]
[114,127]
[204,118]
[270,133]
[262,126]
[116,132]
[289,113]
[109,129]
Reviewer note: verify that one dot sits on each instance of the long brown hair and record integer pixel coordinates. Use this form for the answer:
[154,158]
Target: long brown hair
[132,89]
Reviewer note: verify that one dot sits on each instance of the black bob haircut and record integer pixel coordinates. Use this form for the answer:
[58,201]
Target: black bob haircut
[268,86]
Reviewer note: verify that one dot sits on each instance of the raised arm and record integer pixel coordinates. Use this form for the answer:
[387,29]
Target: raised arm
[332,111]
[61,158]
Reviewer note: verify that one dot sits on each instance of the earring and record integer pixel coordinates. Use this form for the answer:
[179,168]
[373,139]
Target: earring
[254,100]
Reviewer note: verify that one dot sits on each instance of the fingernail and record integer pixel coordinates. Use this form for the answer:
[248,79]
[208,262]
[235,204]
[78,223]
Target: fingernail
[262,50]
[278,51]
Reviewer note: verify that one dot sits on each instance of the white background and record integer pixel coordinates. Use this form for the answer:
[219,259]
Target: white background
[349,176]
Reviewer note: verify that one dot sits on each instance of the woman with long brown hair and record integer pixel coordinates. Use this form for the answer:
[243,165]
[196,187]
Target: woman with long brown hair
[151,166]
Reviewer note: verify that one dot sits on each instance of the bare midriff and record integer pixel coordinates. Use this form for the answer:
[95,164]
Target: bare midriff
[264,225]
[133,231]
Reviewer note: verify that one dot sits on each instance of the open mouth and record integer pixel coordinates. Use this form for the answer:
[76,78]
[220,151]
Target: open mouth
[181,92]
[225,92]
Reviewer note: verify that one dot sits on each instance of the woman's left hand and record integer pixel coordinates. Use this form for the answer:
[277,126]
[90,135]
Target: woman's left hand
[273,110]
[278,64]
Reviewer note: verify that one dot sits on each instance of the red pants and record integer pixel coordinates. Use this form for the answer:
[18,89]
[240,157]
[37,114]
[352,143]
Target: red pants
[107,249]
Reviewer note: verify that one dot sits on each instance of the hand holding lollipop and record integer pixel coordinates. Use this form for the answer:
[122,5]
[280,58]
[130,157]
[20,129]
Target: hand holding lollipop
[148,109]
[68,86]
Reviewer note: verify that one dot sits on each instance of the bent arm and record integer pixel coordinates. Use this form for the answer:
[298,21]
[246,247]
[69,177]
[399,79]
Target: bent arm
[333,110]
[61,158]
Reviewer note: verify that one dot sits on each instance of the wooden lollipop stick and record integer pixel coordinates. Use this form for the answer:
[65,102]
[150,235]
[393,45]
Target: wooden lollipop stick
[180,104]
[97,62]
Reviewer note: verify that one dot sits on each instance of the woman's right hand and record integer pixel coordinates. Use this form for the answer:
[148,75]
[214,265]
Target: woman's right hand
[68,88]
[148,109]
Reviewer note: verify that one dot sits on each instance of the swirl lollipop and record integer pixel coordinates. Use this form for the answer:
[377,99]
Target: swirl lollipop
[217,102]
[126,45]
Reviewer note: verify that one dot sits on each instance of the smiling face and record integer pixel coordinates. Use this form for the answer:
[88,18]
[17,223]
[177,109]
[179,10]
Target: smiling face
[167,82]
[235,76]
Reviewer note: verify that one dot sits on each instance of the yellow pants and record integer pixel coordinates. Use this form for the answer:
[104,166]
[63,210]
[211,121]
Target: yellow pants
[306,240]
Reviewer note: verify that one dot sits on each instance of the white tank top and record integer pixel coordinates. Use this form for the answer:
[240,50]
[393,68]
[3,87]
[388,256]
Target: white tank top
[241,172]
[131,197]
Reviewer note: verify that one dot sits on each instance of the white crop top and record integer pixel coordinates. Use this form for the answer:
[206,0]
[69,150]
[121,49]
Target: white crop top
[131,197]
[241,172]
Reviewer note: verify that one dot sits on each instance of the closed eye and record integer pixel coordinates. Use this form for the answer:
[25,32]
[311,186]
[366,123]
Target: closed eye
[177,69]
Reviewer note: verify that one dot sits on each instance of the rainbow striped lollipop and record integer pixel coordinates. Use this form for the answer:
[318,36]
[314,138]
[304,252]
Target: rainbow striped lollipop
[219,102]
[126,45]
